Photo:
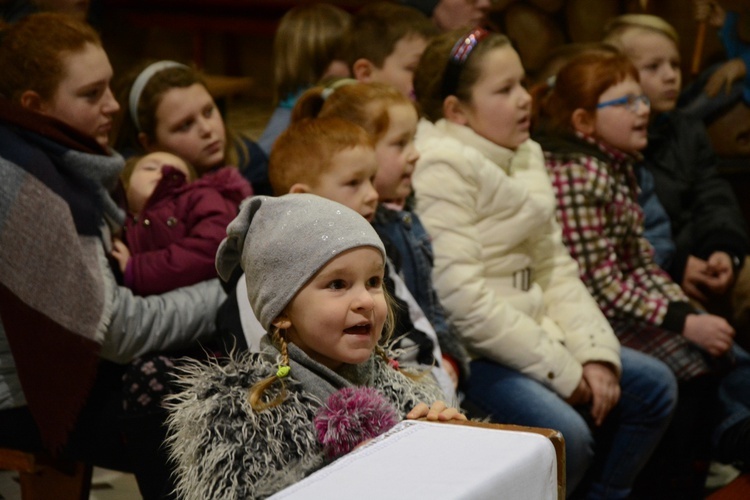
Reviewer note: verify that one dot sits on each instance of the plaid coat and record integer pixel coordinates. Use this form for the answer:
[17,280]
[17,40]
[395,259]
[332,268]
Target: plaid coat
[602,227]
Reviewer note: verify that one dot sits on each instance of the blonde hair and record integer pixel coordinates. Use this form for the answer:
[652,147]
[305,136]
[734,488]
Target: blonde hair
[130,163]
[277,337]
[306,148]
[617,27]
[308,39]
[429,76]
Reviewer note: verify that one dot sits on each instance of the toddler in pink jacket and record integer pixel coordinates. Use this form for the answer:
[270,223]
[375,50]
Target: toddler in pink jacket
[175,222]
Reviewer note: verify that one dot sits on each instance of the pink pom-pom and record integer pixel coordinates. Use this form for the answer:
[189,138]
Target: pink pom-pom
[351,416]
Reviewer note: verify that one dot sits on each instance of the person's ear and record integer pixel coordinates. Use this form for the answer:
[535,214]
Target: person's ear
[455,111]
[362,70]
[145,142]
[282,322]
[300,188]
[32,101]
[583,121]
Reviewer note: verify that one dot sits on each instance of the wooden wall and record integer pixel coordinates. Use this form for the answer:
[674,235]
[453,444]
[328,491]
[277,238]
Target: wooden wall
[234,36]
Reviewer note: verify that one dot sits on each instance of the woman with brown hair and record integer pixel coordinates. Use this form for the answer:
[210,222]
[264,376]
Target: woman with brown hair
[67,330]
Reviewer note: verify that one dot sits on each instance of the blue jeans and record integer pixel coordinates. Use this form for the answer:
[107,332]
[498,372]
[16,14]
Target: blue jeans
[734,394]
[636,424]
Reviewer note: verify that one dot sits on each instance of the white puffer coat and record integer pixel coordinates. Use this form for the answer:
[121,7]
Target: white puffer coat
[501,270]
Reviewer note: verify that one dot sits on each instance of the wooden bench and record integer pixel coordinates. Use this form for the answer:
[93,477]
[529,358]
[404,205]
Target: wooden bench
[44,478]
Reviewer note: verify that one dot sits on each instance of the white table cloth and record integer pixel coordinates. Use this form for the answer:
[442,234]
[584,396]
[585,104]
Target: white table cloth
[425,460]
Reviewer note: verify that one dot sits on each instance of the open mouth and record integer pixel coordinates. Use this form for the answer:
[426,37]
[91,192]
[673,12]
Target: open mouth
[361,329]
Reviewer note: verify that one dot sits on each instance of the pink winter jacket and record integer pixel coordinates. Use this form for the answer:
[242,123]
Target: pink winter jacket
[173,242]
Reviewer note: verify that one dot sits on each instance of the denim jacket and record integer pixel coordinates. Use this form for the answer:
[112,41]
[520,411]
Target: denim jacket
[410,249]
[657,228]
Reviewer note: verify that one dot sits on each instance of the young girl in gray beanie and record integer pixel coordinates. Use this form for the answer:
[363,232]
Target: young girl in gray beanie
[322,383]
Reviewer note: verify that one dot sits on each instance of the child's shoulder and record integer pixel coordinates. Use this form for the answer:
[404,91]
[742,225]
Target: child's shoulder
[406,386]
[227,181]
[436,143]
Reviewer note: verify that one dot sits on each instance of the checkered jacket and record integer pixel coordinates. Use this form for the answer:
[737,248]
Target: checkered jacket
[602,227]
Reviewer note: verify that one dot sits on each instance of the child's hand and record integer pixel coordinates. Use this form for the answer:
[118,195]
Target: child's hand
[605,389]
[438,411]
[710,332]
[719,264]
[710,11]
[723,78]
[121,253]
[694,278]
[581,395]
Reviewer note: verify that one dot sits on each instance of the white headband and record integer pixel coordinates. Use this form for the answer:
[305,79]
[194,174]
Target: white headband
[140,83]
[332,87]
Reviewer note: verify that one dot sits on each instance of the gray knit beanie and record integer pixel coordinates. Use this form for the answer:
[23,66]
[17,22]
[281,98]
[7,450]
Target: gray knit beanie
[281,243]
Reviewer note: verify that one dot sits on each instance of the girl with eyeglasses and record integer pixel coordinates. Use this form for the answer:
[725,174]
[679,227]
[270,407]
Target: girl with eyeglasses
[592,126]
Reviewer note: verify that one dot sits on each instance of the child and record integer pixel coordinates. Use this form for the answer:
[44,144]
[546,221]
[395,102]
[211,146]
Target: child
[544,353]
[594,124]
[168,108]
[335,158]
[722,98]
[175,223]
[307,47]
[657,228]
[314,275]
[707,225]
[735,37]
[391,121]
[385,42]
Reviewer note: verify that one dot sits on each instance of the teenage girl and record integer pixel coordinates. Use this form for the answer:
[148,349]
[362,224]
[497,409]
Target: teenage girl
[591,138]
[167,107]
[544,354]
[314,274]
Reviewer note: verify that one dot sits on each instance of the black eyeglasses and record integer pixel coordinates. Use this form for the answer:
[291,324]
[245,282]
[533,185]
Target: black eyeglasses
[629,102]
